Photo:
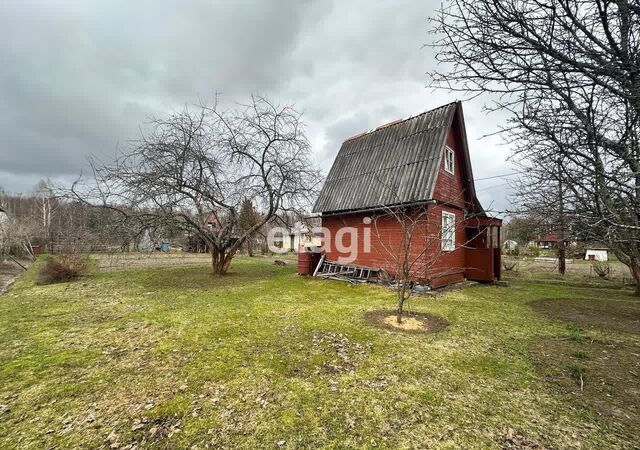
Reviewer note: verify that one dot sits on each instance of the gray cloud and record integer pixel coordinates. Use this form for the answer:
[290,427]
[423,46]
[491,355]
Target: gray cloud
[79,77]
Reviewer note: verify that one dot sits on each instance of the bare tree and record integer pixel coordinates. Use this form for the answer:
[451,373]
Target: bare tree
[568,72]
[415,253]
[524,228]
[48,203]
[424,236]
[15,237]
[205,161]
[409,251]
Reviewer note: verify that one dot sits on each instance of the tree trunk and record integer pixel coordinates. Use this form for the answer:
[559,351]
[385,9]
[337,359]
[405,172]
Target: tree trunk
[401,298]
[634,268]
[562,260]
[249,246]
[562,264]
[220,260]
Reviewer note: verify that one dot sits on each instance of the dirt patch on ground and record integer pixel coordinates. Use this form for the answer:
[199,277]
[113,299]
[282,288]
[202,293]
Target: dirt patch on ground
[610,373]
[9,271]
[412,322]
[142,260]
[622,315]
[407,324]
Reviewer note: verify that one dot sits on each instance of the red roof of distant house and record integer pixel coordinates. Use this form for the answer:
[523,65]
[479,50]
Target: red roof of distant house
[212,222]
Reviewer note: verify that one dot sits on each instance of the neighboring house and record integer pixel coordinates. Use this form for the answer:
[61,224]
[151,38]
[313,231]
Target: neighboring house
[301,236]
[548,240]
[211,222]
[596,252]
[426,158]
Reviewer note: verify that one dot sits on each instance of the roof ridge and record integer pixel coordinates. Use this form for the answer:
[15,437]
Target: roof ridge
[398,121]
[407,155]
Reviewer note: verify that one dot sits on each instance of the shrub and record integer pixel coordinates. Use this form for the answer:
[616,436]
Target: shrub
[582,354]
[533,250]
[61,268]
[576,334]
[578,371]
[509,264]
[601,268]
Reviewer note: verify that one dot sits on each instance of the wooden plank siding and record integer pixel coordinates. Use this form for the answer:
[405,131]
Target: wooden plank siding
[433,265]
[349,198]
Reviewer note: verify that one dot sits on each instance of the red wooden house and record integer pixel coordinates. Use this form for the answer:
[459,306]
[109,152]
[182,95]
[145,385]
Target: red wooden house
[420,165]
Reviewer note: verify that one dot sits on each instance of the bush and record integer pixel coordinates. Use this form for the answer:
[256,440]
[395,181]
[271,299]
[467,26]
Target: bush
[533,250]
[61,268]
[509,264]
[601,268]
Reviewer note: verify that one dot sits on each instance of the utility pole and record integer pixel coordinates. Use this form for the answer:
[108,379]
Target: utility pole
[561,247]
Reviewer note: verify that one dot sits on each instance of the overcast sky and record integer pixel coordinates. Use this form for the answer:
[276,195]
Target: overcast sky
[80,77]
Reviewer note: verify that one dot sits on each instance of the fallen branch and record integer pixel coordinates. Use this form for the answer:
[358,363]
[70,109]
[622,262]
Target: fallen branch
[15,261]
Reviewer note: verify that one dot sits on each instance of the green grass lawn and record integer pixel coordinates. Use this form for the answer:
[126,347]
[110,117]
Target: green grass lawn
[261,358]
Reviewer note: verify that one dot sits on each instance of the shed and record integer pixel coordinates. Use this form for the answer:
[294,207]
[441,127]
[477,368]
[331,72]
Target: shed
[596,253]
[419,162]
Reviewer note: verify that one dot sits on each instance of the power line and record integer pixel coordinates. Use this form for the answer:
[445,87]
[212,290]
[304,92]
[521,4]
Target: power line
[498,176]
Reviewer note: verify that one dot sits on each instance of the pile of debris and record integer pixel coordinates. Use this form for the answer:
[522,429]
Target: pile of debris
[333,270]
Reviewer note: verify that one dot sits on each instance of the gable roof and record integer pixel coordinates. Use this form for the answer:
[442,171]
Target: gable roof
[394,164]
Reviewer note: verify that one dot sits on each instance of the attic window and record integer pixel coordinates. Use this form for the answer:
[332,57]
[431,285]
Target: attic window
[448,160]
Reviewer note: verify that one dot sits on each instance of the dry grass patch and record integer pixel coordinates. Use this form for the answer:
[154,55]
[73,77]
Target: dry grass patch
[412,322]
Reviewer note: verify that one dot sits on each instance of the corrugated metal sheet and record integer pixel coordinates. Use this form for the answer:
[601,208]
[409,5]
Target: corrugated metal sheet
[393,164]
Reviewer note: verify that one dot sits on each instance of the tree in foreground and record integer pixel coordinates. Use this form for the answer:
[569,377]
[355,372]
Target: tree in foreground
[568,72]
[413,238]
[202,162]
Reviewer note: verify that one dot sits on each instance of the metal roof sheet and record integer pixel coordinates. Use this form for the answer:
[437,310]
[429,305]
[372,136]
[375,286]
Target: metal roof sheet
[393,164]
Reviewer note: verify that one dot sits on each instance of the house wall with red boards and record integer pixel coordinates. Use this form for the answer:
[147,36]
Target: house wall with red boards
[429,263]
[426,159]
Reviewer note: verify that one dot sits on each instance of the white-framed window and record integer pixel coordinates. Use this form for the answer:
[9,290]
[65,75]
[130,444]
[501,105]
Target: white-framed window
[449,160]
[448,232]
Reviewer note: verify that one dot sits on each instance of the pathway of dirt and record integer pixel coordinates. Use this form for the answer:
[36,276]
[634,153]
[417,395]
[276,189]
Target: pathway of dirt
[9,271]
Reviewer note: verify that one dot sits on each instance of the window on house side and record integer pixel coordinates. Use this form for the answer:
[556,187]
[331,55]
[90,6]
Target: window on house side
[448,232]
[449,160]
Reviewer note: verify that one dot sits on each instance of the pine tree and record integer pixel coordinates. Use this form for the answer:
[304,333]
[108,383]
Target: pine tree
[248,218]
